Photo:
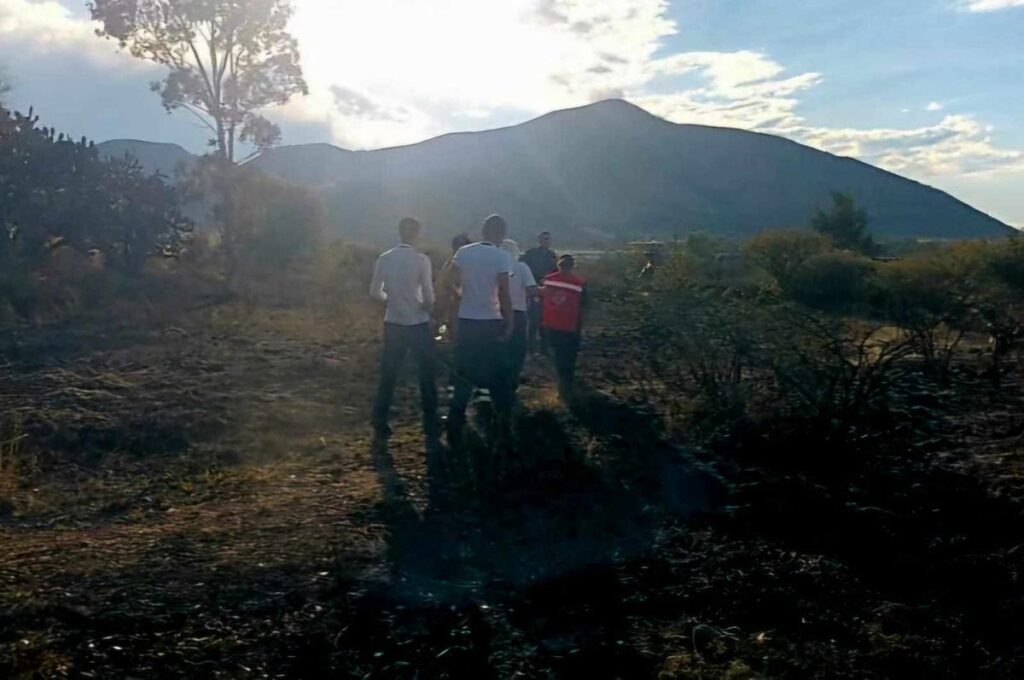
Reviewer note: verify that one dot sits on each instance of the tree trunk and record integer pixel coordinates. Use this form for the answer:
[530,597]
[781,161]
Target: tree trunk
[222,146]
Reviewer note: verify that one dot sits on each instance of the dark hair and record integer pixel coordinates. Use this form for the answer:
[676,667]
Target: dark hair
[459,241]
[496,222]
[543,234]
[409,227]
[567,259]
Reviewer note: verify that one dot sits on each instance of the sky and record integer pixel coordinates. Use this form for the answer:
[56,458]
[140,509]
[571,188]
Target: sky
[931,89]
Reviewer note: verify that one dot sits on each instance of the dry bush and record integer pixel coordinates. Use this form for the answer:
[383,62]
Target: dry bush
[835,282]
[698,345]
[781,253]
[273,232]
[728,366]
[934,296]
[341,274]
[833,377]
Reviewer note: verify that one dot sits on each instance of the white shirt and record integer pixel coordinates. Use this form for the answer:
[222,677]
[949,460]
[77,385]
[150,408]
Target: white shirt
[522,278]
[480,264]
[402,277]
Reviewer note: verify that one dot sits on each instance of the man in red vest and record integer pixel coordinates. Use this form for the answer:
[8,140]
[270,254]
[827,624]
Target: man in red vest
[562,318]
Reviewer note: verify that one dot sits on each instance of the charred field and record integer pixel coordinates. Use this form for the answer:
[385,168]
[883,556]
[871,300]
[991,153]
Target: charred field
[203,500]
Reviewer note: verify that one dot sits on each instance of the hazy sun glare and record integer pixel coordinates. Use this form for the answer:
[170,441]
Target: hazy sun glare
[402,58]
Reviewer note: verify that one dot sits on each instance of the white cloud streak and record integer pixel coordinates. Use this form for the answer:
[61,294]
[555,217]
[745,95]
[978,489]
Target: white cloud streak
[991,5]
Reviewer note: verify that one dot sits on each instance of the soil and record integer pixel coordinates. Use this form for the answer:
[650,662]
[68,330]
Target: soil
[204,499]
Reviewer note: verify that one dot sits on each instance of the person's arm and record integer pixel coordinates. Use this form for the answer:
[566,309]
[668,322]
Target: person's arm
[454,283]
[427,285]
[377,283]
[529,282]
[505,302]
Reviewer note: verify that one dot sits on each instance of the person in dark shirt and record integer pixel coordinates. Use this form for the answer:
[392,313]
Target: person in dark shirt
[542,261]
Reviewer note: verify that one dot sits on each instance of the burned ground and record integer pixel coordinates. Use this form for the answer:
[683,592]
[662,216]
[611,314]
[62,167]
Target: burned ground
[203,499]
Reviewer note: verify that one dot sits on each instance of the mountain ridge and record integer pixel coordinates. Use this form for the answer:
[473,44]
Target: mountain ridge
[607,170]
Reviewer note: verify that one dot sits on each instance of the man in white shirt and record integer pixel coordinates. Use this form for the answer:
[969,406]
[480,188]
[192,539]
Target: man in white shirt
[402,279]
[480,271]
[522,288]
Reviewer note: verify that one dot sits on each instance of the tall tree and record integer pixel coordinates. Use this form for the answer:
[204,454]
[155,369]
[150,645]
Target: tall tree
[846,225]
[228,59]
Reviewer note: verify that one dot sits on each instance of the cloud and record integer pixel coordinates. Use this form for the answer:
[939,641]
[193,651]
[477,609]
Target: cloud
[748,90]
[457,64]
[358,105]
[958,145]
[738,89]
[991,5]
[377,81]
[41,28]
[514,58]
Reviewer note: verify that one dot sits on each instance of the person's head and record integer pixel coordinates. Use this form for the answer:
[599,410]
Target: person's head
[544,239]
[511,247]
[409,230]
[459,241]
[566,263]
[495,229]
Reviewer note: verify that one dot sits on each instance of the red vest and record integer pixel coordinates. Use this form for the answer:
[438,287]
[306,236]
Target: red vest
[562,298]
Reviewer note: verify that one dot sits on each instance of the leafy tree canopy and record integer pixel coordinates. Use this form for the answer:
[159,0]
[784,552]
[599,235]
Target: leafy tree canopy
[228,59]
[846,225]
[57,191]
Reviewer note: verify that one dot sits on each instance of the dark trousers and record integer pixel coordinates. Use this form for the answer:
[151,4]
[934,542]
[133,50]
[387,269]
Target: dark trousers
[565,346]
[517,348]
[535,337]
[398,341]
[481,360]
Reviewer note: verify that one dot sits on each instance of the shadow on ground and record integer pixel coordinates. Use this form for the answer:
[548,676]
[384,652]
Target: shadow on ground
[525,545]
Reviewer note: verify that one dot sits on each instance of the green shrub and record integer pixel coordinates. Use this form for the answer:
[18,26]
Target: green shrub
[832,282]
[1005,263]
[341,273]
[783,252]
[53,190]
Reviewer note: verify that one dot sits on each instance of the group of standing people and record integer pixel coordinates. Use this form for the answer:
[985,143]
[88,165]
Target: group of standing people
[495,304]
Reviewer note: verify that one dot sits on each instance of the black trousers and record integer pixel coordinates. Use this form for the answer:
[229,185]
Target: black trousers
[565,346]
[535,334]
[481,360]
[399,341]
[517,348]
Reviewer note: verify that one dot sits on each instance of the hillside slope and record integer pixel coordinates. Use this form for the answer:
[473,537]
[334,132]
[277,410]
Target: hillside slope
[160,157]
[611,170]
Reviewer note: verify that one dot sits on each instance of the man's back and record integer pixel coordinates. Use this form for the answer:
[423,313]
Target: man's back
[563,301]
[403,275]
[479,266]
